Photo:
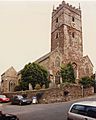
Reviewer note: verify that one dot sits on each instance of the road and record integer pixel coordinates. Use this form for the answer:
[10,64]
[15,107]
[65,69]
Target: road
[56,111]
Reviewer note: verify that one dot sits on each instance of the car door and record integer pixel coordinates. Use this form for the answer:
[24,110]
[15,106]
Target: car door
[80,112]
[77,112]
[91,113]
[16,100]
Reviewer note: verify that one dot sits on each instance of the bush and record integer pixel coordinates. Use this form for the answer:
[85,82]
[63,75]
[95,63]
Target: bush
[18,88]
[43,87]
[86,82]
[67,73]
[37,87]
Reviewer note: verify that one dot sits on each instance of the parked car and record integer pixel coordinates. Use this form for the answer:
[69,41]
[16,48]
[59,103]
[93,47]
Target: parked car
[85,110]
[3,98]
[19,99]
[8,116]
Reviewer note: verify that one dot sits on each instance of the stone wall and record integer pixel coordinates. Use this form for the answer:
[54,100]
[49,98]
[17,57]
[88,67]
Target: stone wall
[58,94]
[88,91]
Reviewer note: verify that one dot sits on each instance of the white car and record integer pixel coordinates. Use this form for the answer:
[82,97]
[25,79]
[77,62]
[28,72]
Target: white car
[85,110]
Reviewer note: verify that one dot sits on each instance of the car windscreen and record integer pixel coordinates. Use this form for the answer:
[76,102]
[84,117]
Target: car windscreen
[20,97]
[78,109]
[85,110]
[2,96]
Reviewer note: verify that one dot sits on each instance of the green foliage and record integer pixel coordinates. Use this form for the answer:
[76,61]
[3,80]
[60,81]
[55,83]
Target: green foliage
[37,87]
[43,87]
[24,85]
[67,73]
[35,74]
[86,81]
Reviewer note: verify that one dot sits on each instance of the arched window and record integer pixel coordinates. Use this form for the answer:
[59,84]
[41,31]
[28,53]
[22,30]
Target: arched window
[56,35]
[11,86]
[74,65]
[56,20]
[75,70]
[73,34]
[57,62]
[57,78]
[73,19]
[87,69]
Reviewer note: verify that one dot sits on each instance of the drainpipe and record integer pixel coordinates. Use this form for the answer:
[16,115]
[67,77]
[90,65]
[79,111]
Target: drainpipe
[82,91]
[95,83]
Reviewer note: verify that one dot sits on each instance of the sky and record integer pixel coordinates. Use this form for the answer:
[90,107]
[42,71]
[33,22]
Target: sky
[25,30]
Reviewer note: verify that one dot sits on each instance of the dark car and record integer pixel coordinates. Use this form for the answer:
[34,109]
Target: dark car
[8,116]
[19,99]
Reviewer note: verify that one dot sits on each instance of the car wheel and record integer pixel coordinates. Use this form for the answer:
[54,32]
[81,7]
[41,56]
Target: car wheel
[69,119]
[14,119]
[11,103]
[20,103]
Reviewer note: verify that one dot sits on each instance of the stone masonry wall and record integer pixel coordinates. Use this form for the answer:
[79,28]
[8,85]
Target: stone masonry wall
[59,94]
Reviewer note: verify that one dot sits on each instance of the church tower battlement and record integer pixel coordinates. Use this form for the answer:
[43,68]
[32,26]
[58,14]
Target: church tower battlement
[67,5]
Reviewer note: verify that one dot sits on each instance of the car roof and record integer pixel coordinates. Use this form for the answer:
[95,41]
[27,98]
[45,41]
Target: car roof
[2,95]
[87,103]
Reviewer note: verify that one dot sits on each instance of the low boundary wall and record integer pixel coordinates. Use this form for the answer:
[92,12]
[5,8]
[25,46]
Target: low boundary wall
[58,94]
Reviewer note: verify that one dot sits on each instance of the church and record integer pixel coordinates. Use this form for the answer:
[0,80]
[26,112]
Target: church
[66,44]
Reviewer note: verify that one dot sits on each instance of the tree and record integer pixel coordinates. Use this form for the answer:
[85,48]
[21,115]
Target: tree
[67,73]
[86,81]
[35,74]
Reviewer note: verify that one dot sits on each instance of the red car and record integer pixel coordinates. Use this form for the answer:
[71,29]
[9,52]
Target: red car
[3,98]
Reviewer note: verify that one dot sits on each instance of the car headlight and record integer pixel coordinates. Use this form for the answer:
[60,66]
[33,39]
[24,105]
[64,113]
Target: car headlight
[24,100]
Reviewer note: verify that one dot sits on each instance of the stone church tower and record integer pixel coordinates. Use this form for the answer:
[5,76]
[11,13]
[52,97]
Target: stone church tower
[66,43]
[66,34]
[66,31]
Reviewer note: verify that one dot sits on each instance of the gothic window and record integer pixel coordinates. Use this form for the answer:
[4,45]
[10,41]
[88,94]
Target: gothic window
[56,20]
[73,34]
[73,19]
[74,65]
[2,81]
[75,69]
[57,62]
[11,86]
[87,69]
[19,80]
[56,35]
[57,78]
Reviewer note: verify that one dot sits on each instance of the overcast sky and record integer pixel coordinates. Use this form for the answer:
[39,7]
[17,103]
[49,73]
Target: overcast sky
[25,30]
